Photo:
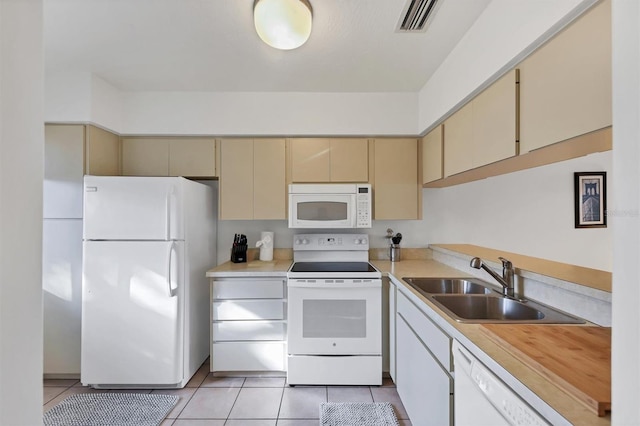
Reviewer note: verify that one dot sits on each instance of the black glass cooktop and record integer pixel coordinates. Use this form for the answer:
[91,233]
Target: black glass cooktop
[332,267]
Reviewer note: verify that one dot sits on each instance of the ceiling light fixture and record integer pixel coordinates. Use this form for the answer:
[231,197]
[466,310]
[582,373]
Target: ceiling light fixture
[283,24]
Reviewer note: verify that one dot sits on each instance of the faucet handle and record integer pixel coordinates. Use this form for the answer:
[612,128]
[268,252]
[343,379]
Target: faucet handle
[506,264]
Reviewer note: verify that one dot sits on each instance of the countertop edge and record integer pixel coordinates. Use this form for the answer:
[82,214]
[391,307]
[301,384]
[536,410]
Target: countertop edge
[536,389]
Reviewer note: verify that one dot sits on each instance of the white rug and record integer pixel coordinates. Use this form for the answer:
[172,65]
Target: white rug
[357,414]
[113,409]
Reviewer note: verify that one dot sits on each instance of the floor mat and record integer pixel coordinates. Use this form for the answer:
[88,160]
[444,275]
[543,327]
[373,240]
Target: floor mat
[114,409]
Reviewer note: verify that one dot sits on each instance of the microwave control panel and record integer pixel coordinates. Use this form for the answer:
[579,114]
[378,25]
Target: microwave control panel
[363,206]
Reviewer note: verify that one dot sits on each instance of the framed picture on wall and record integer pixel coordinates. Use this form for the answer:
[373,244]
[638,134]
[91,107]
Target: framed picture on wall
[590,192]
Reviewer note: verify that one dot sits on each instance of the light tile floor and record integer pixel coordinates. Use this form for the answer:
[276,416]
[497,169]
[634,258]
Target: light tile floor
[245,401]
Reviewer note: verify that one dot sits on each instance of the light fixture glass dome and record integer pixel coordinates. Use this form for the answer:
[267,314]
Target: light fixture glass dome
[283,24]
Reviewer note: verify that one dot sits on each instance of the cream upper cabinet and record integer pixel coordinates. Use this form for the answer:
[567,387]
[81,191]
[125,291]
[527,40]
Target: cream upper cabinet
[396,192]
[349,160]
[236,179]
[565,86]
[432,155]
[329,160]
[145,157]
[458,141]
[252,179]
[191,157]
[484,130]
[310,160]
[102,156]
[494,121]
[269,185]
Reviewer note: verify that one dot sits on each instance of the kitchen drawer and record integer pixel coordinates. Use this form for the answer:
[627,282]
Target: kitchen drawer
[248,330]
[436,340]
[248,289]
[248,356]
[260,309]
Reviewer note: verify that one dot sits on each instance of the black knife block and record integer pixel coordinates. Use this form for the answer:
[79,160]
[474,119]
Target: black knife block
[239,253]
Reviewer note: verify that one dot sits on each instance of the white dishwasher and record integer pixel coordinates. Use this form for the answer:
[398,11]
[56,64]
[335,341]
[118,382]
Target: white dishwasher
[482,399]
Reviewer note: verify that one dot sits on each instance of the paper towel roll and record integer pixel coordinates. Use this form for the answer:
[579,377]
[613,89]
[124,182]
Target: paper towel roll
[266,246]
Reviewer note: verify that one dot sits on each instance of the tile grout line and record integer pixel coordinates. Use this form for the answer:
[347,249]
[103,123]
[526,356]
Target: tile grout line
[244,379]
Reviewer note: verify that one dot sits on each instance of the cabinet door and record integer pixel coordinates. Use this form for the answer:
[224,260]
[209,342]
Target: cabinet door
[432,155]
[63,171]
[236,179]
[192,157]
[458,141]
[145,157]
[349,160]
[269,184]
[392,330]
[310,160]
[494,122]
[102,156]
[565,86]
[423,386]
[395,187]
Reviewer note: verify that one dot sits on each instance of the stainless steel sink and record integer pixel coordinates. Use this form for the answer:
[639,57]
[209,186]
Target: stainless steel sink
[448,285]
[494,308]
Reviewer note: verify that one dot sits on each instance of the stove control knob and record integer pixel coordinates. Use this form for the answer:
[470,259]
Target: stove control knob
[298,242]
[363,241]
[356,241]
[305,241]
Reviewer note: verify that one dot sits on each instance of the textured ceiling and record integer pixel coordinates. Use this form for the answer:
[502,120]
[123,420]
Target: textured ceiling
[211,45]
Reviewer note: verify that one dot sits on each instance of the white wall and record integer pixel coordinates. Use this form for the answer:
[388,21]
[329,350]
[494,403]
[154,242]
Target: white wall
[257,113]
[67,97]
[625,224]
[528,212]
[502,36]
[21,177]
[413,232]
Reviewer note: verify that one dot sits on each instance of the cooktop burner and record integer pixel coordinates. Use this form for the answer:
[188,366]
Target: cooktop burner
[332,267]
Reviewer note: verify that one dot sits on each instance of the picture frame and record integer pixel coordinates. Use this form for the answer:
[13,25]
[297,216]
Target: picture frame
[590,199]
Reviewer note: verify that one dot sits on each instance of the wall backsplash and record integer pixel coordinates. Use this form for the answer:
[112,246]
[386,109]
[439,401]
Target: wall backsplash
[413,231]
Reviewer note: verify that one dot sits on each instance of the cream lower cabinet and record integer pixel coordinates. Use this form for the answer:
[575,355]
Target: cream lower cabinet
[252,179]
[423,366]
[191,157]
[329,159]
[248,324]
[396,192]
[565,86]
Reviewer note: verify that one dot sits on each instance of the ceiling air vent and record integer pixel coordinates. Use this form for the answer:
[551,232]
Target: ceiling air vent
[417,14]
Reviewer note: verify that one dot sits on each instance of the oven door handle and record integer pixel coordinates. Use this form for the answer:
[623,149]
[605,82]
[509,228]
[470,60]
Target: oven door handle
[321,285]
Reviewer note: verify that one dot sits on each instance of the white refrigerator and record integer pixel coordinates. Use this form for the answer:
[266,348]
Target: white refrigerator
[147,244]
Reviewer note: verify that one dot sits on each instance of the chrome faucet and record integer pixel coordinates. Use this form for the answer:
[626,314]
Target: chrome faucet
[506,280]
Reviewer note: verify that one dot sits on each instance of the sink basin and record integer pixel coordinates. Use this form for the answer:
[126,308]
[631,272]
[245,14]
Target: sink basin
[498,309]
[447,285]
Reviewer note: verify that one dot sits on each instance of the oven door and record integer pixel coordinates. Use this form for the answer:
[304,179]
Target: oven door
[322,211]
[335,317]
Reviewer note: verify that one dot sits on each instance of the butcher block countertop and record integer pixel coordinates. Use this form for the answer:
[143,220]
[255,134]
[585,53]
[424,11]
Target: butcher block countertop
[253,268]
[528,371]
[577,359]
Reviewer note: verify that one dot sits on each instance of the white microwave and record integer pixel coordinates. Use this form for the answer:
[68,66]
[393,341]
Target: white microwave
[330,205]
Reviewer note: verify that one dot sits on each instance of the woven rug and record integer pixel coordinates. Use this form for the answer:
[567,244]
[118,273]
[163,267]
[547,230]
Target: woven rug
[113,409]
[357,414]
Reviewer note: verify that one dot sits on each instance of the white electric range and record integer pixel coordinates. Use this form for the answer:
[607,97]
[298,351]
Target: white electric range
[334,312]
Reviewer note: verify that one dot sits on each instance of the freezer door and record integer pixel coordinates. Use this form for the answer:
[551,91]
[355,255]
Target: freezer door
[132,313]
[132,208]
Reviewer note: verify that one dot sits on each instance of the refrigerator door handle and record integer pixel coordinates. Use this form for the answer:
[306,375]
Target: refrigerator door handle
[172,291]
[168,209]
